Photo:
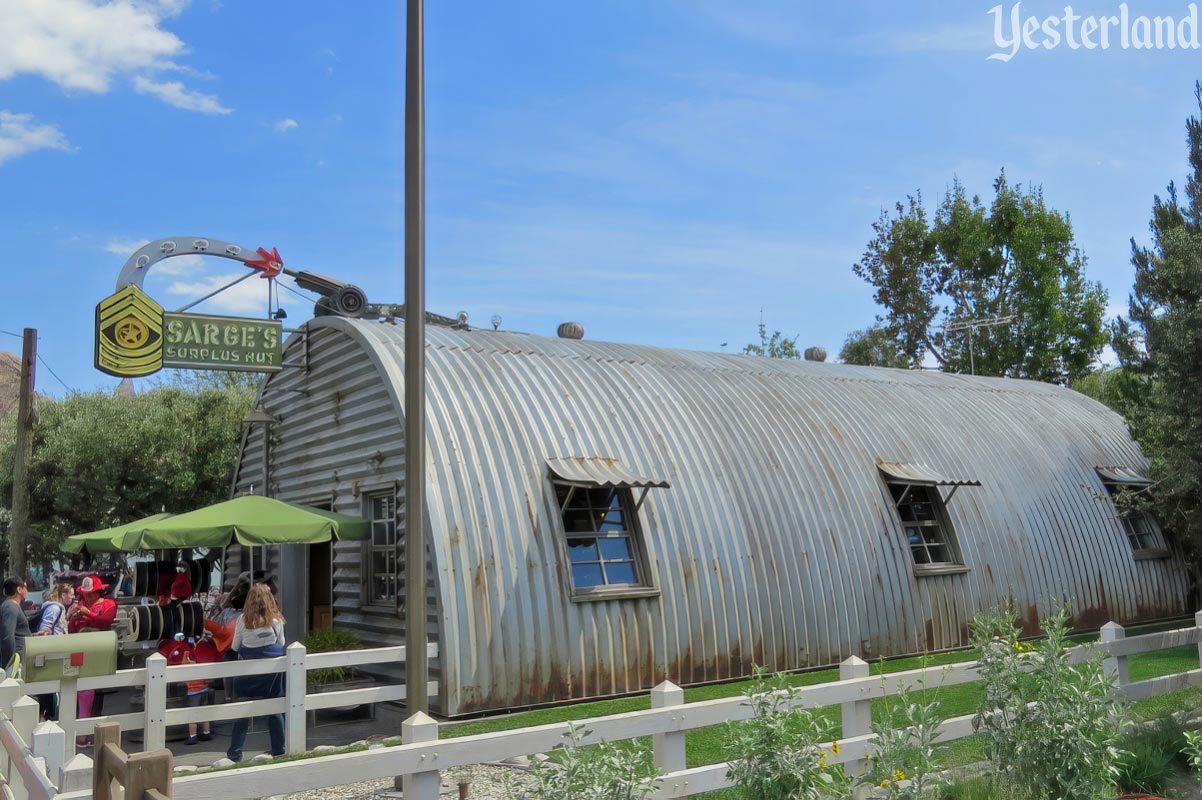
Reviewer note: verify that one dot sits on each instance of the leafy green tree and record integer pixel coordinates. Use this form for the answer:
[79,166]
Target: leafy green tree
[1162,343]
[103,459]
[775,346]
[1013,258]
[873,347]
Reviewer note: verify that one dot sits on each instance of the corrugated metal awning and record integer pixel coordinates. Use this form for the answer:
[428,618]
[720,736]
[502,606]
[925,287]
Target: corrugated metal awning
[585,472]
[1124,475]
[908,472]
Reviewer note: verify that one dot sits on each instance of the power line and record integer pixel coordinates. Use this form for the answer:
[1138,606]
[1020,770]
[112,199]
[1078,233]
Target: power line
[294,291]
[10,333]
[55,374]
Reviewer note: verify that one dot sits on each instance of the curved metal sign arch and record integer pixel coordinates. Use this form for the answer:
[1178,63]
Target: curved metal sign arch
[136,337]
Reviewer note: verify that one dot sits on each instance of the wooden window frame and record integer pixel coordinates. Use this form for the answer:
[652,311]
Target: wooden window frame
[942,524]
[645,585]
[370,548]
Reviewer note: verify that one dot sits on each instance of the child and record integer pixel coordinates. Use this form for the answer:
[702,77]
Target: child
[198,695]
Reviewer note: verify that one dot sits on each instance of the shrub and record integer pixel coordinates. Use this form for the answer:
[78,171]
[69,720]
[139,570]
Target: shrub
[982,788]
[904,763]
[777,755]
[604,771]
[1051,727]
[328,641]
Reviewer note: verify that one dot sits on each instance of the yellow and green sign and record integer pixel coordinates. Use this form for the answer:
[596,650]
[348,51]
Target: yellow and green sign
[135,337]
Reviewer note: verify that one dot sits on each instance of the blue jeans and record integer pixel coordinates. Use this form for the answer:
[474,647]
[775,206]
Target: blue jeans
[275,729]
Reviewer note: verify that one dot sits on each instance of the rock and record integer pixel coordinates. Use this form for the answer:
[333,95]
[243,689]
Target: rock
[324,748]
[224,762]
[360,743]
[261,757]
[183,769]
[376,746]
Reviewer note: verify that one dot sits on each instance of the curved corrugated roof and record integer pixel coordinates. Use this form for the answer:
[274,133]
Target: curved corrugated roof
[777,543]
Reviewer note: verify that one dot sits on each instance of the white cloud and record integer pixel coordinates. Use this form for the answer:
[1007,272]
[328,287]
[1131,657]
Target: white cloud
[83,45]
[174,93]
[125,247]
[21,134]
[80,44]
[247,297]
[285,125]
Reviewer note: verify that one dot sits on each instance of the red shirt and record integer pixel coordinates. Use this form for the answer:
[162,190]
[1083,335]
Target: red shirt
[100,615]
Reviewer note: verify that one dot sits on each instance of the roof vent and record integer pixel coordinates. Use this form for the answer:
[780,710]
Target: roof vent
[815,354]
[570,330]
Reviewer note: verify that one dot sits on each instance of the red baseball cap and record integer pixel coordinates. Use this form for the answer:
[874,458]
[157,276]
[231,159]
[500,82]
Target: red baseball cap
[92,583]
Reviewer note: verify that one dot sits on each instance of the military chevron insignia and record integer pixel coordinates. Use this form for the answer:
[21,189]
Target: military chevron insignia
[129,334]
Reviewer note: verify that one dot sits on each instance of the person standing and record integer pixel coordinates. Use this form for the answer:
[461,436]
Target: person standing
[259,633]
[14,626]
[93,612]
[53,622]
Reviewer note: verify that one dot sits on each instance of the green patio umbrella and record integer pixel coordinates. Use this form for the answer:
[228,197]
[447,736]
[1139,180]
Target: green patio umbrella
[250,520]
[109,540]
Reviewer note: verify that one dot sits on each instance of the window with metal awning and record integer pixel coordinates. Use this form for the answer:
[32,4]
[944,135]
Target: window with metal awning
[922,511]
[605,550]
[1143,532]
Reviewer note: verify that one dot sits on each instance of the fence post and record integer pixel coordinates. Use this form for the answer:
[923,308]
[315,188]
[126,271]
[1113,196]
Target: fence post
[105,733]
[1115,666]
[76,774]
[68,713]
[295,686]
[150,770]
[669,748]
[420,785]
[155,731]
[10,693]
[1198,624]
[857,715]
[50,744]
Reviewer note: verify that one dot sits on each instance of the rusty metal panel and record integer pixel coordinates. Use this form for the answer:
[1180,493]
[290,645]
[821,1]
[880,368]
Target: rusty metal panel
[777,543]
[599,471]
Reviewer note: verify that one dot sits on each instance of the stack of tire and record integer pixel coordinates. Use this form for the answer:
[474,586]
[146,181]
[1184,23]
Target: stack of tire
[154,623]
[151,577]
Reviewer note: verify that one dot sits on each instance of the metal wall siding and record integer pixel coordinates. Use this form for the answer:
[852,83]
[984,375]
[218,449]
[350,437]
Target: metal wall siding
[776,544]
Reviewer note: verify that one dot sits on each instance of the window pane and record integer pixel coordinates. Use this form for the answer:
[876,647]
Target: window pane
[380,535]
[914,536]
[582,550]
[616,549]
[577,520]
[920,555]
[620,572]
[382,581]
[584,575]
[937,553]
[932,535]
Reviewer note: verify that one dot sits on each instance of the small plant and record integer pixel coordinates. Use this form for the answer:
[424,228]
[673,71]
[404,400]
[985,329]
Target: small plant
[980,788]
[329,641]
[1193,751]
[604,771]
[905,764]
[1051,727]
[1151,756]
[777,754]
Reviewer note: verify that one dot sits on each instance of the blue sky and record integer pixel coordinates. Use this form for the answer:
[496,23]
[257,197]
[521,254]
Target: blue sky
[657,170]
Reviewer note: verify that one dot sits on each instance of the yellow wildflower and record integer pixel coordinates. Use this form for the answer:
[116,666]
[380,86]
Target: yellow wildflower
[822,763]
[835,748]
[885,784]
[899,775]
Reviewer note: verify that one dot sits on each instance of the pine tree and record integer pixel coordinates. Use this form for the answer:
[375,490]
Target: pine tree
[1164,342]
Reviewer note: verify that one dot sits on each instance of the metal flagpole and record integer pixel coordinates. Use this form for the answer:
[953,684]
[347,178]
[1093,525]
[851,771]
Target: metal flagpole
[416,667]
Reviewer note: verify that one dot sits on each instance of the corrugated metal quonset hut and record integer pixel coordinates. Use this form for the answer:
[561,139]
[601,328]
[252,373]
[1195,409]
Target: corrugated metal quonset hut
[605,516]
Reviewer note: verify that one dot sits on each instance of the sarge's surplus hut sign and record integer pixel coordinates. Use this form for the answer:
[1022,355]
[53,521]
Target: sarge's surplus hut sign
[135,337]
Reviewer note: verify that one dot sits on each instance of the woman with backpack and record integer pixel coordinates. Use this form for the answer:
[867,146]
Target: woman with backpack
[52,621]
[258,633]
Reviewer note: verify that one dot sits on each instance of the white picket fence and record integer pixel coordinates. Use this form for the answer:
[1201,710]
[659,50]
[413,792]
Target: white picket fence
[156,677]
[423,754]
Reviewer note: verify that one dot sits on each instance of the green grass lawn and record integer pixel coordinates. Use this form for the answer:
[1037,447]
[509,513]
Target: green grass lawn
[704,745]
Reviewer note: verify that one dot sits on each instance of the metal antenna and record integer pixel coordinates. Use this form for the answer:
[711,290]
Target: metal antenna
[971,326]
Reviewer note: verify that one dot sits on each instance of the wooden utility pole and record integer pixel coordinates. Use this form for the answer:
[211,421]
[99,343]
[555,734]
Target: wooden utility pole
[18,529]
[416,664]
